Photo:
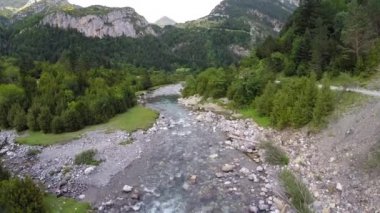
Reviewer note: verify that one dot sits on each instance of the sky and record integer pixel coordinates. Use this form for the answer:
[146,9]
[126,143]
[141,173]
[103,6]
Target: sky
[178,10]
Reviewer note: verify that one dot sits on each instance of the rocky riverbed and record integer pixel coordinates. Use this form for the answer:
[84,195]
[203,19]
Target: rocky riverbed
[189,161]
[184,163]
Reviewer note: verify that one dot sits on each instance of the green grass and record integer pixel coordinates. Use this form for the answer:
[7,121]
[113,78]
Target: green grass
[134,119]
[64,205]
[254,115]
[87,158]
[296,191]
[346,101]
[275,155]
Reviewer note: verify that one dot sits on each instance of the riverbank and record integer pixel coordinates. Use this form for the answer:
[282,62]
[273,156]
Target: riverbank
[330,163]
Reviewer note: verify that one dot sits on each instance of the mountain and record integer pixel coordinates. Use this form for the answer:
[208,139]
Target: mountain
[12,3]
[52,30]
[259,18]
[98,21]
[94,21]
[165,21]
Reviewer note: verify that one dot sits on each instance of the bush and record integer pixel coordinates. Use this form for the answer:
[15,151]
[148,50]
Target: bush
[4,174]
[275,155]
[33,152]
[18,195]
[87,158]
[297,192]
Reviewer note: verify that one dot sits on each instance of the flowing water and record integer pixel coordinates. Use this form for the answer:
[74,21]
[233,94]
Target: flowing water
[182,148]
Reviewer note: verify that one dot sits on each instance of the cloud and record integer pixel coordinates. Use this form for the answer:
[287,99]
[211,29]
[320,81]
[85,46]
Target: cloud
[152,10]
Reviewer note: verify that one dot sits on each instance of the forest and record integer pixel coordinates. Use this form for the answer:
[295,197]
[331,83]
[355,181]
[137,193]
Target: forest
[321,40]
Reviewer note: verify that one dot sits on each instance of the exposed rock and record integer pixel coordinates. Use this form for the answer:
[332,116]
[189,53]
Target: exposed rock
[115,23]
[81,197]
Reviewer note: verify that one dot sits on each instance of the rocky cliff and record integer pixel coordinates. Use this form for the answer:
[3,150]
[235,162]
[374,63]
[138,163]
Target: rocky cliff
[113,23]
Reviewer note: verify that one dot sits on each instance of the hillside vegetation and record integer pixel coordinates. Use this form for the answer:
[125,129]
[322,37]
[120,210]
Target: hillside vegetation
[322,38]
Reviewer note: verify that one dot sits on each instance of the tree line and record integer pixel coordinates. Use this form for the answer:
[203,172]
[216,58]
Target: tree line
[322,39]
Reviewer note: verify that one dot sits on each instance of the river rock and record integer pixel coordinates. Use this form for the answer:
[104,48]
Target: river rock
[253,177]
[228,168]
[127,189]
[339,187]
[135,194]
[244,171]
[259,169]
[219,175]
[193,179]
[81,197]
[89,170]
[253,209]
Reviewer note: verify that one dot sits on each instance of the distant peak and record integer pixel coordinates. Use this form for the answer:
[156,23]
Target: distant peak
[164,21]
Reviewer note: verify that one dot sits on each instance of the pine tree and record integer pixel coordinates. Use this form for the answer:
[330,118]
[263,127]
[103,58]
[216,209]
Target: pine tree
[264,103]
[44,119]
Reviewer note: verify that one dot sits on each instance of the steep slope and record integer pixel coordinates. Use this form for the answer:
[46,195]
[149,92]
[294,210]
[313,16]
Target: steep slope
[259,18]
[165,21]
[97,21]
[94,21]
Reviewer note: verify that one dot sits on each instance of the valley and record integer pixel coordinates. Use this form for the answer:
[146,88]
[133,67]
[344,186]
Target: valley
[259,106]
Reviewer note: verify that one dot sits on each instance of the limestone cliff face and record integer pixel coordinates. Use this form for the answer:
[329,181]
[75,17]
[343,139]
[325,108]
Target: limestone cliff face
[115,23]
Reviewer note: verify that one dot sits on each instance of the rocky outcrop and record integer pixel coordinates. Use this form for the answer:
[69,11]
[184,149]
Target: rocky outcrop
[116,23]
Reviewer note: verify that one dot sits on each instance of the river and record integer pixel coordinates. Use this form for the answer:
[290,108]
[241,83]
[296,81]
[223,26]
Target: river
[180,168]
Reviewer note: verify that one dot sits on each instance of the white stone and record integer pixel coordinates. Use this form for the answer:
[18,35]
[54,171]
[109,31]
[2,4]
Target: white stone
[81,197]
[259,169]
[127,188]
[89,170]
[339,187]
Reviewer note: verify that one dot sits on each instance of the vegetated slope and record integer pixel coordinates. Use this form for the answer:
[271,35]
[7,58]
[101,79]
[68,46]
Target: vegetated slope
[13,3]
[259,18]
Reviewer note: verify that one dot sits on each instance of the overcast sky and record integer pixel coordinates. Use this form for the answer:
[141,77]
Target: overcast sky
[152,10]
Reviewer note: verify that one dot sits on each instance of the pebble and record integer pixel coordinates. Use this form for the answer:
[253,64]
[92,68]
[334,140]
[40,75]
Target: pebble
[259,169]
[81,197]
[228,168]
[244,171]
[253,209]
[193,179]
[219,175]
[339,187]
[186,186]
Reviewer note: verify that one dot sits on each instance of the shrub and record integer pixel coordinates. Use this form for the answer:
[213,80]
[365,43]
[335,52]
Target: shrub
[87,158]
[33,152]
[275,155]
[4,174]
[17,195]
[297,192]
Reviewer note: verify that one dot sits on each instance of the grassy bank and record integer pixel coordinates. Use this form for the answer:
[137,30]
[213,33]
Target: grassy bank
[64,205]
[254,115]
[134,119]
